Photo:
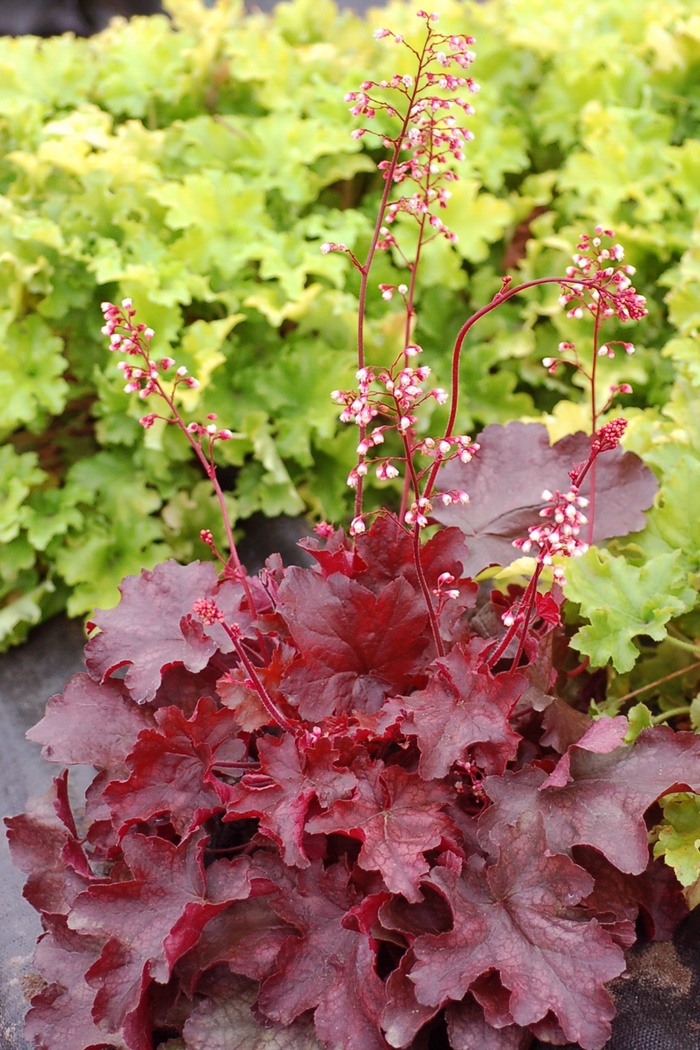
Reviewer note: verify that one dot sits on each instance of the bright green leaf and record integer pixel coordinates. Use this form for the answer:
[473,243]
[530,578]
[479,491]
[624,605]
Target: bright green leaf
[623,601]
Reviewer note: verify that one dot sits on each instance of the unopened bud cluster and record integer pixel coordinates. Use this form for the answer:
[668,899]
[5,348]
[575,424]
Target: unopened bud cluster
[207,611]
[609,436]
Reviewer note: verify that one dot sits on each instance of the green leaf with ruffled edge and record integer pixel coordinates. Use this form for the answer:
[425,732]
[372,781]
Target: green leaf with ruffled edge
[32,387]
[678,837]
[624,601]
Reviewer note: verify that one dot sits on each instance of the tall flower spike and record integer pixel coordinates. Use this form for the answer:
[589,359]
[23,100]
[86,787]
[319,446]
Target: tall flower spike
[431,135]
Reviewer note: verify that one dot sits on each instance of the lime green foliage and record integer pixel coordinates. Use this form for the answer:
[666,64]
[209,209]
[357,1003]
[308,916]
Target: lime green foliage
[678,837]
[646,586]
[198,165]
[624,601]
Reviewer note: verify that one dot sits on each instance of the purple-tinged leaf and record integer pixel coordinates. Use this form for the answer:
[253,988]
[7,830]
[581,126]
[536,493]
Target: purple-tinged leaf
[247,936]
[280,792]
[514,466]
[511,918]
[606,796]
[44,845]
[61,1014]
[357,647]
[602,737]
[462,707]
[468,1029]
[171,768]
[224,1020]
[403,1015]
[151,919]
[326,968]
[90,723]
[152,628]
[398,818]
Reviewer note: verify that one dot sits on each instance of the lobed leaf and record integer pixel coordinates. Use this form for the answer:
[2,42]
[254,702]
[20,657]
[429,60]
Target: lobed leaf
[398,818]
[507,477]
[463,707]
[357,646]
[162,598]
[606,795]
[623,601]
[513,918]
[327,968]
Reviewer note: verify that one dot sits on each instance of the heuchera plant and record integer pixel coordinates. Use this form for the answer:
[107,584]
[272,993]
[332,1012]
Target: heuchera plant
[360,805]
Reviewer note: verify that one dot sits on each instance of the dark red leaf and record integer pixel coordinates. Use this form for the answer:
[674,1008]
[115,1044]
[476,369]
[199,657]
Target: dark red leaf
[398,818]
[468,1028]
[337,554]
[357,646]
[403,1015]
[91,724]
[44,845]
[224,1020]
[601,737]
[61,1014]
[171,768]
[327,968]
[152,628]
[235,689]
[604,801]
[280,792]
[462,707]
[510,918]
[247,936]
[152,919]
[507,477]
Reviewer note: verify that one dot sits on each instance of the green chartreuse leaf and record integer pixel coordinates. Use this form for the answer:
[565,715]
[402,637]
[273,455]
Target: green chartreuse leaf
[678,836]
[622,601]
[125,536]
[32,365]
[673,524]
[639,717]
[19,475]
[25,610]
[477,218]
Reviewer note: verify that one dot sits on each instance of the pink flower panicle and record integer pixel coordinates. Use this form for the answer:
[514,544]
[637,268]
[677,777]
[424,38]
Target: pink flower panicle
[559,534]
[597,284]
[431,135]
[143,375]
[396,394]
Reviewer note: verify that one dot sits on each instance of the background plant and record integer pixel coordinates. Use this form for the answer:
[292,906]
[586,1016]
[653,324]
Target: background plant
[198,166]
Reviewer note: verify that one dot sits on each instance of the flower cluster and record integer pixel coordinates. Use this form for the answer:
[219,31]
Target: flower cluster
[597,284]
[396,394]
[559,534]
[430,134]
[145,376]
[609,436]
[207,611]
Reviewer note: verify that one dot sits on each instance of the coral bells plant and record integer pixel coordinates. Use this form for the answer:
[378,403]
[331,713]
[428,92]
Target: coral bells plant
[362,805]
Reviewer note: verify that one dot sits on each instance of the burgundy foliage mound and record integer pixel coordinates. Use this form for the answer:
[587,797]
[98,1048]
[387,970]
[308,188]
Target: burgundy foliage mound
[304,808]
